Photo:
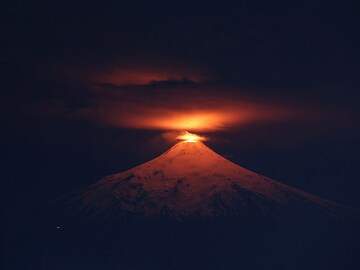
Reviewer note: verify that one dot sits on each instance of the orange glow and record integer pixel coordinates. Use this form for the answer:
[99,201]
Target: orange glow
[190,137]
[179,108]
[186,121]
[166,115]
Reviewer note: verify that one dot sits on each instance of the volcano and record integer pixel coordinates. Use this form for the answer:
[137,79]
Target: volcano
[190,180]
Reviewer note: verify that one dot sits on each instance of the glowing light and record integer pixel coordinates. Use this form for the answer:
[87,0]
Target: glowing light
[190,137]
[170,120]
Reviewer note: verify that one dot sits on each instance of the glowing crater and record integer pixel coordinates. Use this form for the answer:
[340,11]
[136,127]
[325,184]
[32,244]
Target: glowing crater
[190,137]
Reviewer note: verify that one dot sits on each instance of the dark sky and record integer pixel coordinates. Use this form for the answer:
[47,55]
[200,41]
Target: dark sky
[96,87]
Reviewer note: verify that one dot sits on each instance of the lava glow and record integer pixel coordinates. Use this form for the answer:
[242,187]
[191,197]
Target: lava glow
[190,137]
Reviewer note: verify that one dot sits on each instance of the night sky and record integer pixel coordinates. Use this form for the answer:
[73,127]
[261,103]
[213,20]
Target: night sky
[96,87]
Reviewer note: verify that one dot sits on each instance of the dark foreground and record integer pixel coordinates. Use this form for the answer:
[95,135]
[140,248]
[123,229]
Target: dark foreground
[298,243]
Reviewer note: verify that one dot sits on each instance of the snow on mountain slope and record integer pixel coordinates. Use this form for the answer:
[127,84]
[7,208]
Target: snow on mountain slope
[190,180]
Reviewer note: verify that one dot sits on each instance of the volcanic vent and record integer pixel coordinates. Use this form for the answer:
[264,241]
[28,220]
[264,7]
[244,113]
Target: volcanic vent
[191,180]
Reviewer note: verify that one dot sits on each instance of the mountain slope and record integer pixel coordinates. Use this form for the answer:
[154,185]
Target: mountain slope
[190,180]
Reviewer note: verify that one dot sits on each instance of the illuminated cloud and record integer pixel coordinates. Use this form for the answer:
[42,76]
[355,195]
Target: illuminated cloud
[144,97]
[192,109]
